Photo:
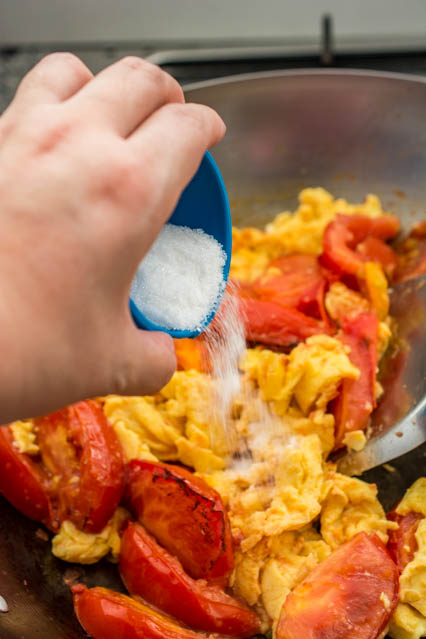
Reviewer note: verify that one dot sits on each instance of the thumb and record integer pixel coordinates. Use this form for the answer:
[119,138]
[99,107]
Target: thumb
[148,361]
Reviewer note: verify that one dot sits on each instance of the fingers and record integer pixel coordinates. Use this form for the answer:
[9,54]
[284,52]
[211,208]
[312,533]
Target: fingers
[148,362]
[54,79]
[123,95]
[172,143]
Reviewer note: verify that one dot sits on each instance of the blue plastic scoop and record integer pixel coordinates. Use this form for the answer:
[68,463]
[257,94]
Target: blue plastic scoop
[203,205]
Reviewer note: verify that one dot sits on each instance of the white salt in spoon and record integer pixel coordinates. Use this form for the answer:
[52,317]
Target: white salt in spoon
[204,213]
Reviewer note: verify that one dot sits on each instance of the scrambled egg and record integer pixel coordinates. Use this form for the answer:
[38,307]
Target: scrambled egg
[407,623]
[310,375]
[74,545]
[409,618]
[351,506]
[24,437]
[265,574]
[175,425]
[414,499]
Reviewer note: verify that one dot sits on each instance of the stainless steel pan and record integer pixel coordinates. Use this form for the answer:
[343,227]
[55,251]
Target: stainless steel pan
[351,132]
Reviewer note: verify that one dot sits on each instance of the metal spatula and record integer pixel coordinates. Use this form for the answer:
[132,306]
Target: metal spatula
[399,422]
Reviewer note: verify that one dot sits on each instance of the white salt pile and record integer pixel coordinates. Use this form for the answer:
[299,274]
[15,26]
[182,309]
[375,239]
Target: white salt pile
[180,280]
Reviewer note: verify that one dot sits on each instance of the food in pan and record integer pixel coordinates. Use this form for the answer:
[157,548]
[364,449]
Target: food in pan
[236,540]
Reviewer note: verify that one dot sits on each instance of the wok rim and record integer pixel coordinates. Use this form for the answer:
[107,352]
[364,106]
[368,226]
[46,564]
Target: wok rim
[286,73]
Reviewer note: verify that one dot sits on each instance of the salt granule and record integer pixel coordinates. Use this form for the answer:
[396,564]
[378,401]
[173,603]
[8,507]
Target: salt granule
[180,280]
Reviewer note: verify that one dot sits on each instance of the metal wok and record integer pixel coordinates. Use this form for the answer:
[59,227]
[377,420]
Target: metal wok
[351,132]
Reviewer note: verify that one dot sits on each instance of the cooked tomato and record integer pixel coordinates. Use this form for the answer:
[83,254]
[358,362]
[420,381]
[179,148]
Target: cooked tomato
[185,515]
[357,398]
[402,543]
[294,281]
[375,250]
[274,325]
[342,236]
[150,572]
[105,614]
[25,482]
[350,595]
[79,474]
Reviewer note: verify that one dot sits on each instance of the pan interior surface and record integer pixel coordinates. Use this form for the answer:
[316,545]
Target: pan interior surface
[352,133]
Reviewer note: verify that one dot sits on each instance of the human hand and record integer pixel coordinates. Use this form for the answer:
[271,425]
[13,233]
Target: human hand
[90,170]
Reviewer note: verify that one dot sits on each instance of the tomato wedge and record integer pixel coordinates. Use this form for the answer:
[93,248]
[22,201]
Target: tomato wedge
[79,474]
[345,232]
[402,542]
[105,614]
[357,398]
[150,572]
[274,325]
[185,515]
[350,595]
[81,449]
[25,483]
[300,283]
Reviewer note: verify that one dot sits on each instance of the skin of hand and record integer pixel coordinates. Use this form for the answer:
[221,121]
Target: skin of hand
[91,167]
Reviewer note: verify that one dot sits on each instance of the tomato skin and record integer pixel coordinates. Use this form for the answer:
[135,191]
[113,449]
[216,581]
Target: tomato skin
[271,324]
[80,447]
[357,397]
[375,250]
[105,614]
[340,599]
[185,515]
[151,573]
[402,542]
[24,483]
[345,232]
[300,284]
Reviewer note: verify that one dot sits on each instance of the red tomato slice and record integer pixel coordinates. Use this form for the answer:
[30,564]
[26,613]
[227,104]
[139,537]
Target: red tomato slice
[350,595]
[402,543]
[79,446]
[150,572]
[274,325]
[25,483]
[105,614]
[185,515]
[375,250]
[357,397]
[300,285]
[347,231]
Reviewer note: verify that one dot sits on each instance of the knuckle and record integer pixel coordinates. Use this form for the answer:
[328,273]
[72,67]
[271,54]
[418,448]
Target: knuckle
[68,61]
[156,75]
[188,114]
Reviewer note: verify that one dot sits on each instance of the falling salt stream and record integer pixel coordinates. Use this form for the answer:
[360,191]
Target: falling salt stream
[226,343]
[225,340]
